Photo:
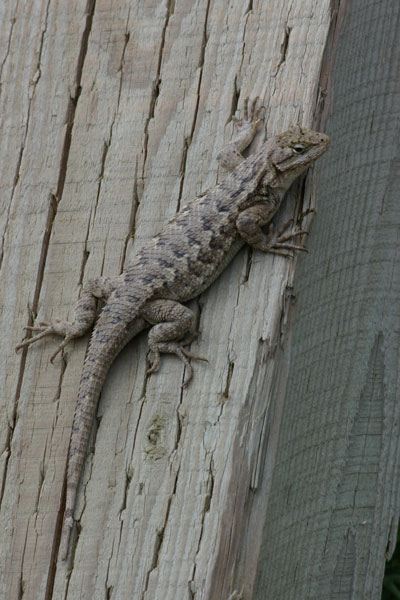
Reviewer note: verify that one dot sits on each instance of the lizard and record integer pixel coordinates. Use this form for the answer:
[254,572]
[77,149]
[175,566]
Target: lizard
[177,265]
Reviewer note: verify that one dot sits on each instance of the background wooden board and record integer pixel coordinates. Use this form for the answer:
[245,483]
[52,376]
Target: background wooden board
[112,114]
[337,464]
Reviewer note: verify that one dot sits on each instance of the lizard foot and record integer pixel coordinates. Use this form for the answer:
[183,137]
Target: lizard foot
[277,242]
[69,330]
[180,351]
[251,117]
[190,338]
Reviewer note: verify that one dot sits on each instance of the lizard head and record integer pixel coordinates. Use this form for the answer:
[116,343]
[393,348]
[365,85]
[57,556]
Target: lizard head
[294,150]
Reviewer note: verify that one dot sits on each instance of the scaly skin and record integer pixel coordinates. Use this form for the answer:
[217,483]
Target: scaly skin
[178,264]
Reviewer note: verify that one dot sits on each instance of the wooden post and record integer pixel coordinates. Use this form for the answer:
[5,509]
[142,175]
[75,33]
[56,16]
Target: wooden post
[112,114]
[333,509]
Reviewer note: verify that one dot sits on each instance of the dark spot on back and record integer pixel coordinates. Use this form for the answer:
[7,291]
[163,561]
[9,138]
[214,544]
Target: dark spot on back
[176,251]
[205,256]
[177,277]
[194,268]
[206,222]
[216,242]
[193,239]
[160,241]
[165,263]
[237,193]
[145,278]
[222,207]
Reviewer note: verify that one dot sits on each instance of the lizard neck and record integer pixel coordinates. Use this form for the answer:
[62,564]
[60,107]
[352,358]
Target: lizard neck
[267,194]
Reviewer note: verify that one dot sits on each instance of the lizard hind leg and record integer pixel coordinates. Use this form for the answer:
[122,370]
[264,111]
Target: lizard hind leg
[171,321]
[85,315]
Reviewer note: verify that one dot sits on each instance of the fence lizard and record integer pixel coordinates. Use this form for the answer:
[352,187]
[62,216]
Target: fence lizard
[178,264]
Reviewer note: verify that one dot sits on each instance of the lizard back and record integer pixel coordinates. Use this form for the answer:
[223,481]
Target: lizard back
[196,244]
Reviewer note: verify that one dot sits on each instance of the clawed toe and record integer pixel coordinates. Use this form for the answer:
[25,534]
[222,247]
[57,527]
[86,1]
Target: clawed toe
[59,348]
[280,253]
[255,112]
[190,338]
[180,351]
[275,246]
[45,328]
[290,236]
[194,356]
[278,243]
[155,362]
[251,114]
[40,327]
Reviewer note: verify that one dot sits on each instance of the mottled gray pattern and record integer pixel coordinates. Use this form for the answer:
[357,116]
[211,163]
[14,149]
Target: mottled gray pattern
[177,265]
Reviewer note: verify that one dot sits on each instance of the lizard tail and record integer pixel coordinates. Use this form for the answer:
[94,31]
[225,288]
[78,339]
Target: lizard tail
[106,343]
[88,395]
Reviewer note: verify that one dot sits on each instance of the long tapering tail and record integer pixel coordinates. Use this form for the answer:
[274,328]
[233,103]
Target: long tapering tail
[89,392]
[107,341]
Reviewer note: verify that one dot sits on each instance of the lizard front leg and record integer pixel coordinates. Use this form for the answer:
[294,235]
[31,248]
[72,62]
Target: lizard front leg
[171,321]
[231,154]
[85,315]
[249,223]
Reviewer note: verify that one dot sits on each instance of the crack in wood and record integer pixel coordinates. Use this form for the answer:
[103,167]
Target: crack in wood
[206,507]
[225,393]
[249,7]
[132,218]
[156,87]
[34,83]
[107,144]
[7,53]
[284,48]
[160,537]
[196,108]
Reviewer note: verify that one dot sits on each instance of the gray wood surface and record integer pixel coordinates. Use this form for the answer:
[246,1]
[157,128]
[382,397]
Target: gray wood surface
[333,510]
[112,114]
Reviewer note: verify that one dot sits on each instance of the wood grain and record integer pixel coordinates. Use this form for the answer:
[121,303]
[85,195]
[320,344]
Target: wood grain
[112,116]
[333,509]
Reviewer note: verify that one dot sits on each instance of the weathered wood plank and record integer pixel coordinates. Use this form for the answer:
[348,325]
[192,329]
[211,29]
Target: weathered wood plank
[165,503]
[39,80]
[334,503]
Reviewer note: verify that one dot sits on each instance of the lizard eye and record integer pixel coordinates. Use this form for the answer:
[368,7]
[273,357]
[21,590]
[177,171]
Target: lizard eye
[298,148]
